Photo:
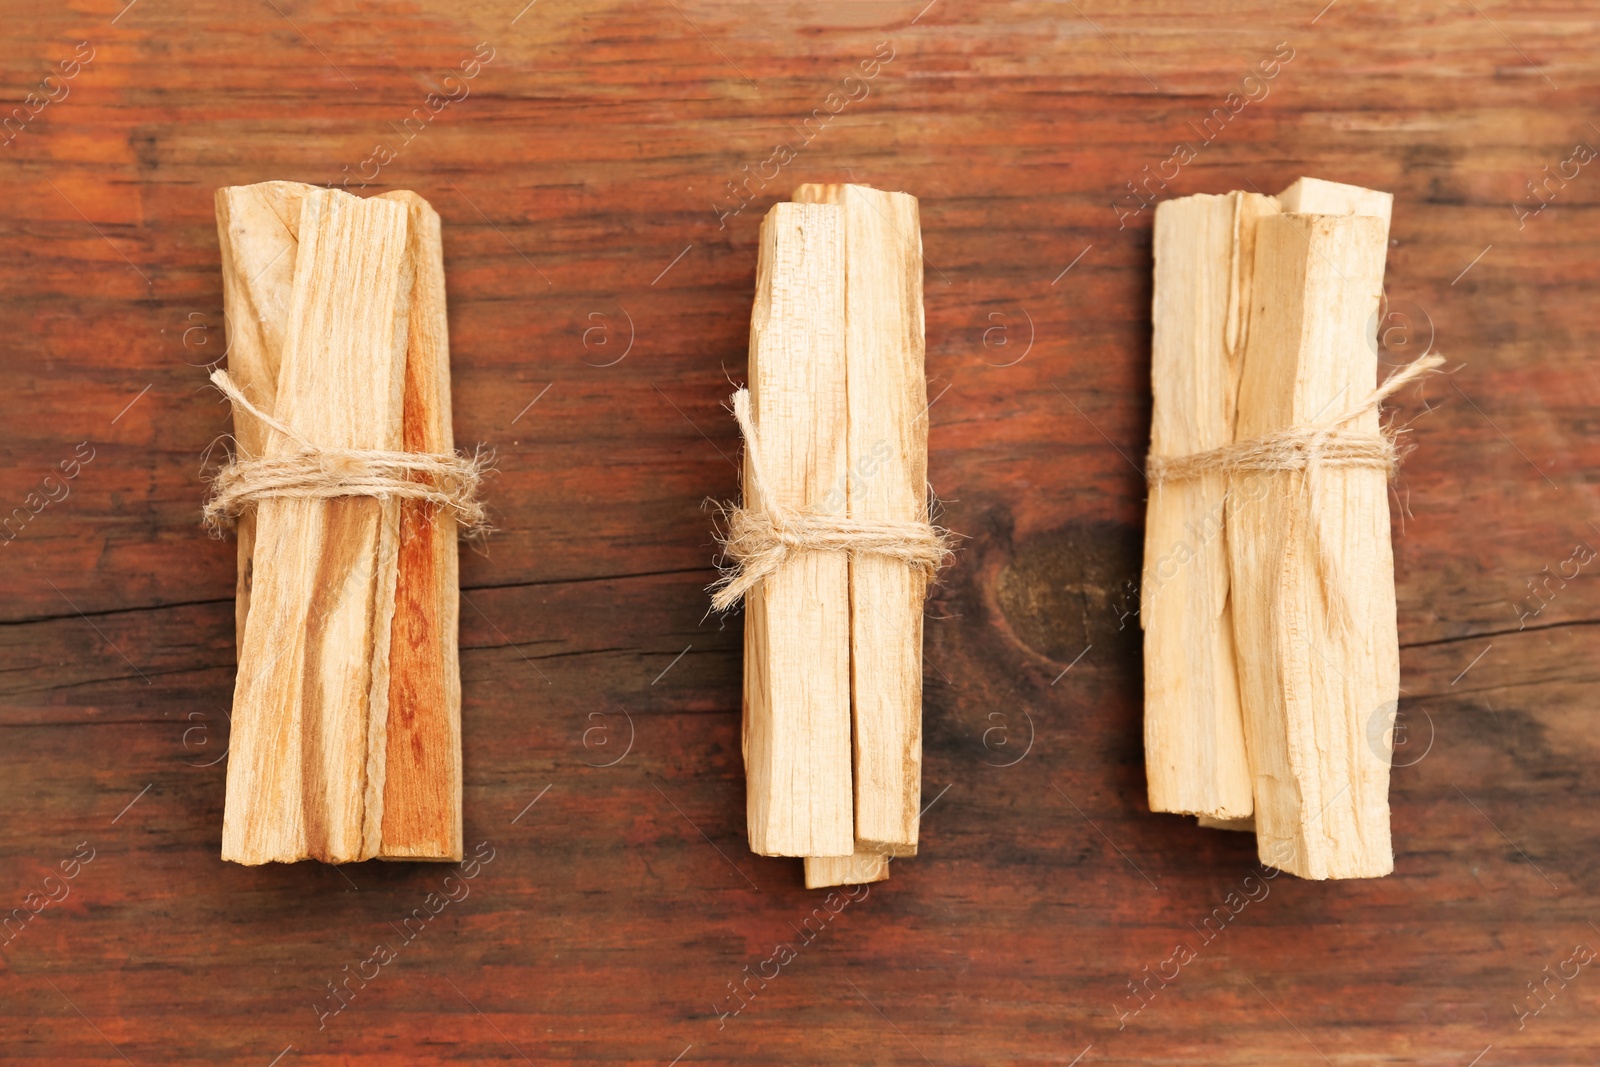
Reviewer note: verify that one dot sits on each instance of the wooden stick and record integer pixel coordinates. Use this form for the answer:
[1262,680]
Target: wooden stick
[887,479]
[1195,759]
[825,871]
[313,676]
[797,629]
[258,230]
[1312,680]
[1313,196]
[420,801]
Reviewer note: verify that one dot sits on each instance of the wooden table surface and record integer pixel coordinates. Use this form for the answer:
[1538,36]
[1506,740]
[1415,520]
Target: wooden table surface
[601,270]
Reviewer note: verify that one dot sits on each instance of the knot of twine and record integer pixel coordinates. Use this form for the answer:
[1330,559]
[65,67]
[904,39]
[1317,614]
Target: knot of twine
[1321,444]
[1313,448]
[449,481]
[763,536]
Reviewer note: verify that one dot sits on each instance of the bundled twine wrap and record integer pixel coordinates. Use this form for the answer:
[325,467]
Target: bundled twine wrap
[1313,448]
[1318,445]
[449,481]
[763,535]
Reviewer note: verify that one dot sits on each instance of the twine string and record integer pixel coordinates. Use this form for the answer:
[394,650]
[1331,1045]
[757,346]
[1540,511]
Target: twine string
[449,481]
[1314,448]
[1321,444]
[762,537]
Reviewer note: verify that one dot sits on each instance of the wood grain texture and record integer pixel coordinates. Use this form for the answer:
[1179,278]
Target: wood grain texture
[596,147]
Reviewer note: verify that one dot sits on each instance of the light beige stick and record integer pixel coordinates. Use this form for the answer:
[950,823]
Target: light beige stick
[1312,548]
[313,666]
[419,793]
[797,628]
[887,478]
[1195,757]
[1313,196]
[258,230]
[824,871]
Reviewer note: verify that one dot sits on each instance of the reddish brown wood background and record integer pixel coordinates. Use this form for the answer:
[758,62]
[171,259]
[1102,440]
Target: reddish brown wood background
[590,278]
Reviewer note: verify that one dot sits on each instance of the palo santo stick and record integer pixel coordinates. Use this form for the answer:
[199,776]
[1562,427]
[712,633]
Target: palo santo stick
[313,666]
[257,229]
[1313,196]
[887,479]
[420,786]
[1195,759]
[797,627]
[863,867]
[1310,559]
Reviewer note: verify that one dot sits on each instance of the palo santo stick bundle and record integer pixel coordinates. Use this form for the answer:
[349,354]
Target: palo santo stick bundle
[833,546]
[346,722]
[1268,530]
[887,455]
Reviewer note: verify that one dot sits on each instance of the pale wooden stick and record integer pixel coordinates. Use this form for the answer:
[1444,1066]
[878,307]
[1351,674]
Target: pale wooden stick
[419,793]
[313,666]
[1195,758]
[1313,196]
[797,629]
[258,230]
[1311,680]
[824,871]
[887,479]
